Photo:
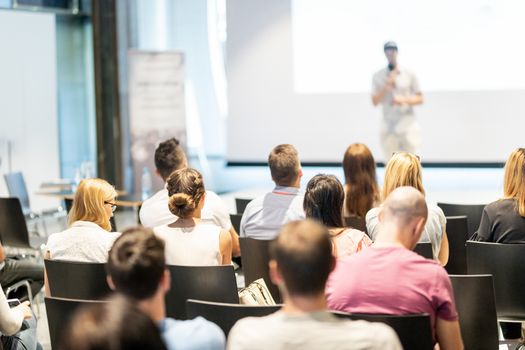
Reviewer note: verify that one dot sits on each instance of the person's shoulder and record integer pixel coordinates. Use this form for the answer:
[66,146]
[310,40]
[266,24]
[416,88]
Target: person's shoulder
[381,73]
[501,204]
[375,332]
[372,214]
[199,332]
[161,195]
[252,327]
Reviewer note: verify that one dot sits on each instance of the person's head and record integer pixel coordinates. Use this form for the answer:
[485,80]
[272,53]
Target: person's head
[136,264]
[113,325]
[323,200]
[359,168]
[285,166]
[169,156]
[390,49]
[404,212]
[514,182]
[403,169]
[186,192]
[301,258]
[95,202]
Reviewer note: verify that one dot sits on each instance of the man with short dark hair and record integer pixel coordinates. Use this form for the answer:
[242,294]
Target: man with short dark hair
[301,262]
[389,278]
[264,216]
[136,268]
[169,156]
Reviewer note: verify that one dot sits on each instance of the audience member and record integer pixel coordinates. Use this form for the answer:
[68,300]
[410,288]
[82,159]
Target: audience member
[114,325]
[323,201]
[137,269]
[389,278]
[189,239]
[361,189]
[13,270]
[17,325]
[503,221]
[169,156]
[264,216]
[404,169]
[89,236]
[301,262]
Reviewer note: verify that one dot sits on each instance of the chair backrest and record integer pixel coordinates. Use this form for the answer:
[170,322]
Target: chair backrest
[506,263]
[225,315]
[424,249]
[255,258]
[457,233]
[236,222]
[77,280]
[356,222]
[13,228]
[474,296]
[59,312]
[210,283]
[16,186]
[471,211]
[414,331]
[241,203]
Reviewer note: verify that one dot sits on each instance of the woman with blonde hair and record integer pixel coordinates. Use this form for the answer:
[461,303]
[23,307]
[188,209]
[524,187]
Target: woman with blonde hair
[361,189]
[191,240]
[323,201]
[404,169]
[89,236]
[503,221]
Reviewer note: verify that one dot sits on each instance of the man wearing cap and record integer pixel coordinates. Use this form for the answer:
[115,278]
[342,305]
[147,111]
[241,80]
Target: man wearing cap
[398,91]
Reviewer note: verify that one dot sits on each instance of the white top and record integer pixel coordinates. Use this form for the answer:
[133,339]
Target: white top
[191,246]
[155,212]
[265,215]
[10,319]
[406,84]
[84,241]
[433,232]
[319,330]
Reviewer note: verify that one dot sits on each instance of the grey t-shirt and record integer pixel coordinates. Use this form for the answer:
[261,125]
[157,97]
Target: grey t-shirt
[319,330]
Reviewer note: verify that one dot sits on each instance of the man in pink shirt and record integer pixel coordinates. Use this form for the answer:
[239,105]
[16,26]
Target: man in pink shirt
[389,278]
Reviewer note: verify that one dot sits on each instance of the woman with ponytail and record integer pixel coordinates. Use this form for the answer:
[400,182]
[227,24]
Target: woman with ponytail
[189,239]
[323,201]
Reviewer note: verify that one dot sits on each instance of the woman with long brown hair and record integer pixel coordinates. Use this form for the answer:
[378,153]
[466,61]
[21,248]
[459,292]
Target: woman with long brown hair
[361,189]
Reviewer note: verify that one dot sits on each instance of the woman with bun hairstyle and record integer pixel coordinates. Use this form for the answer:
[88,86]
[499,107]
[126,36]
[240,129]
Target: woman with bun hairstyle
[323,201]
[190,240]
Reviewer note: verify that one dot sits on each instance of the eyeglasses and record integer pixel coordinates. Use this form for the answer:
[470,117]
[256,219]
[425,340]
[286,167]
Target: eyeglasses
[113,205]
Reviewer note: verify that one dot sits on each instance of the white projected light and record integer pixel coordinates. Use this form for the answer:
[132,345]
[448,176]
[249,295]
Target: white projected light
[451,45]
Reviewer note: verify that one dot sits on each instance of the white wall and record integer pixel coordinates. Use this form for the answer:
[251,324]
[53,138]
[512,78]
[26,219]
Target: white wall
[264,109]
[28,99]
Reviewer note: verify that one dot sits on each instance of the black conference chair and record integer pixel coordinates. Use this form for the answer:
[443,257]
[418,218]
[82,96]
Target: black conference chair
[506,263]
[76,280]
[236,222]
[241,203]
[414,331]
[225,315]
[476,306]
[59,312]
[424,249]
[457,233]
[356,222]
[255,258]
[210,283]
[13,227]
[471,211]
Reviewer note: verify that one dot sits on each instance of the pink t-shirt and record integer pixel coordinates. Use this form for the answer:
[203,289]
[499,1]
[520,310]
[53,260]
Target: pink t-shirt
[391,280]
[350,241]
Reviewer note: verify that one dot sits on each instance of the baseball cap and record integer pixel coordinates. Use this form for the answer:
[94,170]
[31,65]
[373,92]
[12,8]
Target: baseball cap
[390,45]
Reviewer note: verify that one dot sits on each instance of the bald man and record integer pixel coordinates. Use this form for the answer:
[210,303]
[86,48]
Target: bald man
[389,278]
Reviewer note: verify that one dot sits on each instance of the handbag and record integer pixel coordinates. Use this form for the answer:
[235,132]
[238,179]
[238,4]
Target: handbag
[256,293]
